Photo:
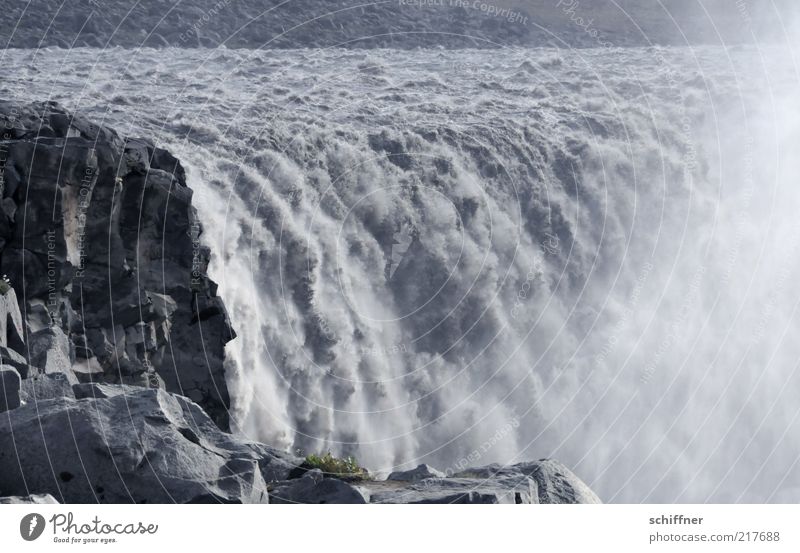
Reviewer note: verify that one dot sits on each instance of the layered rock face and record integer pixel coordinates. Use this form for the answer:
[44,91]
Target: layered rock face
[112,337]
[102,247]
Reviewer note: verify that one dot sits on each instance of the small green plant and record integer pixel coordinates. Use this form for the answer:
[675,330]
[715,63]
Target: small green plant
[346,468]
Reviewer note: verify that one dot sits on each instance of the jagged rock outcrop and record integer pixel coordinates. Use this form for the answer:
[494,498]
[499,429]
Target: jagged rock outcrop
[102,247]
[123,444]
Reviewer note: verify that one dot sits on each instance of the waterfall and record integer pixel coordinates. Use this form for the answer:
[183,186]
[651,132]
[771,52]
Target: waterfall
[463,258]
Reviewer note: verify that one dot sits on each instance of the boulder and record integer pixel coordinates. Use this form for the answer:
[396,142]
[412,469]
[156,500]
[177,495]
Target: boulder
[555,482]
[127,444]
[40,499]
[313,488]
[51,351]
[10,384]
[420,473]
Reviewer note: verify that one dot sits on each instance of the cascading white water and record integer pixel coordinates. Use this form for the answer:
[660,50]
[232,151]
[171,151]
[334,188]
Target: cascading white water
[473,257]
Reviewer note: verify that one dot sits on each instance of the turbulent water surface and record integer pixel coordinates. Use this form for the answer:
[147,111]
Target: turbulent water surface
[491,256]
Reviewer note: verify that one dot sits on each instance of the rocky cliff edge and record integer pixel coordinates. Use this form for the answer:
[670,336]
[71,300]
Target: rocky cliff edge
[112,341]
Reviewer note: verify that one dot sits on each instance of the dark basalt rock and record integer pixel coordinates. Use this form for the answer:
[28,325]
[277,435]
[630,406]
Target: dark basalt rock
[102,246]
